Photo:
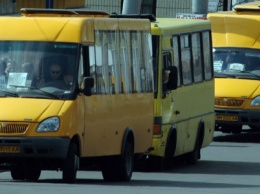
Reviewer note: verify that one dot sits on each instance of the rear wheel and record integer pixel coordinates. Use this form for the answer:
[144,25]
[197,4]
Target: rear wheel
[193,157]
[71,165]
[119,168]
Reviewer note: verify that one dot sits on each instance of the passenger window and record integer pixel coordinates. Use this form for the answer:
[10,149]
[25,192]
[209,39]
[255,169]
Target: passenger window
[186,59]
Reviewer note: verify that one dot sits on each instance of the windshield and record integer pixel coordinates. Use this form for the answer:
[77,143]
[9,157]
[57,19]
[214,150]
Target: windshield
[38,69]
[237,63]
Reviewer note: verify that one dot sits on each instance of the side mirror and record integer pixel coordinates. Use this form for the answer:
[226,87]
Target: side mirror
[172,83]
[88,84]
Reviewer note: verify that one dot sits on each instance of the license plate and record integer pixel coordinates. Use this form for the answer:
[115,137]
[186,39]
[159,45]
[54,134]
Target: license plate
[10,149]
[226,118]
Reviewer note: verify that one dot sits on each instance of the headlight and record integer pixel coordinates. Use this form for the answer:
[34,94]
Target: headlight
[255,101]
[49,125]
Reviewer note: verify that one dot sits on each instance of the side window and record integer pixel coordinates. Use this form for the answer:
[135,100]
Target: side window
[103,82]
[114,62]
[167,62]
[81,70]
[196,57]
[186,59]
[176,56]
[121,62]
[92,63]
[137,60]
[147,69]
[208,66]
[126,71]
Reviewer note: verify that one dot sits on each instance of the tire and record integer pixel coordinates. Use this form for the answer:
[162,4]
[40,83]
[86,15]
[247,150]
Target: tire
[17,173]
[236,129]
[156,163]
[193,157]
[126,164]
[159,163]
[119,168]
[32,174]
[169,152]
[71,165]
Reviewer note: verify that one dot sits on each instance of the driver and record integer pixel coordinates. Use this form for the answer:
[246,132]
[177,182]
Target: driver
[56,77]
[56,72]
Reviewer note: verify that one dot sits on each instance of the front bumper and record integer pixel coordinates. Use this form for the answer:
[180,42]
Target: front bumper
[24,147]
[237,117]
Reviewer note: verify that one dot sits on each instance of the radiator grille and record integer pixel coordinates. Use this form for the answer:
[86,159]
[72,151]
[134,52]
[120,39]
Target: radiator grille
[10,128]
[229,102]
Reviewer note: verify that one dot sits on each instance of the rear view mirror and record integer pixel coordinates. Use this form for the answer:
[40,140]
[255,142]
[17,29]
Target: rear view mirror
[88,85]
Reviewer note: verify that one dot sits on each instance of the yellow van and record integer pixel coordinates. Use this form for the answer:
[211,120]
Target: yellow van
[184,117]
[76,89]
[236,45]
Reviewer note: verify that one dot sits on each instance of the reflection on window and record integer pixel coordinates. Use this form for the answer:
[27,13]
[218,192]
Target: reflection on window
[196,56]
[122,62]
[176,57]
[207,55]
[192,57]
[186,59]
[26,66]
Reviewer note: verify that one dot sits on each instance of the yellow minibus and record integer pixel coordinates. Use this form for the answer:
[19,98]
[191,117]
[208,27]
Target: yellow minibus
[183,104]
[76,90]
[236,45]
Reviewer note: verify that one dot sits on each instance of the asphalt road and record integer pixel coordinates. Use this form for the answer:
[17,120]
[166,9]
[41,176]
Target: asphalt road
[230,165]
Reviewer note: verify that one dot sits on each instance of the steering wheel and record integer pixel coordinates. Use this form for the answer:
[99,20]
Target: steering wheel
[56,84]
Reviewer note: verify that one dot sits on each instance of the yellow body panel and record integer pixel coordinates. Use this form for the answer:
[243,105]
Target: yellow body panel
[112,115]
[232,30]
[47,29]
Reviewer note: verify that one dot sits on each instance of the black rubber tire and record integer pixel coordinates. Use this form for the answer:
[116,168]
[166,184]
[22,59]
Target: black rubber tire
[119,168]
[32,174]
[126,164]
[17,173]
[193,157]
[71,165]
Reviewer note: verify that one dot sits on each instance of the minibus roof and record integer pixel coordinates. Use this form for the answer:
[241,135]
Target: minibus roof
[64,25]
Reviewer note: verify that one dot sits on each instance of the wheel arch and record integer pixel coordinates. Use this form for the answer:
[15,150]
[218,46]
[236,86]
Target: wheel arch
[128,137]
[76,139]
[201,132]
[172,139]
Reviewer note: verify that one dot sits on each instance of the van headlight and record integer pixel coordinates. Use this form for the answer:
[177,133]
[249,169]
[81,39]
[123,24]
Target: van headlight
[255,101]
[49,125]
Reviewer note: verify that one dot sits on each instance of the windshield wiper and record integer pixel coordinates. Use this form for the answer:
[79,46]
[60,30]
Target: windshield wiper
[224,75]
[36,89]
[12,94]
[250,72]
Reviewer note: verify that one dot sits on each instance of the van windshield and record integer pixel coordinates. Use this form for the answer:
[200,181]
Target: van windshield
[38,69]
[241,63]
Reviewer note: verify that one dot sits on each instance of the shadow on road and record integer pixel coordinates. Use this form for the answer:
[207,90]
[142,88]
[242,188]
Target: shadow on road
[238,138]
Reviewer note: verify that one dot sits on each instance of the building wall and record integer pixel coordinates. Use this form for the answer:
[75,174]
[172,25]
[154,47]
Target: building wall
[7,7]
[109,6]
[165,8]
[13,6]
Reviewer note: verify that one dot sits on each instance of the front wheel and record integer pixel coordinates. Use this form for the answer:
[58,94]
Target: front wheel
[71,165]
[17,173]
[32,174]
